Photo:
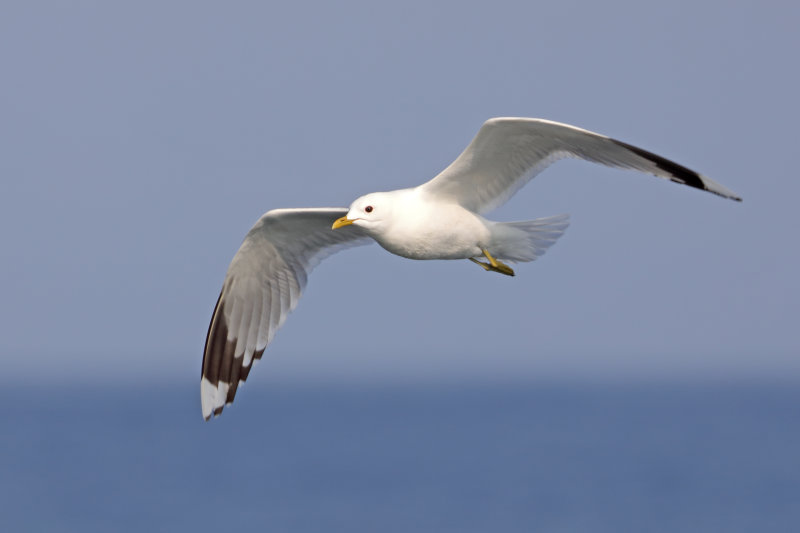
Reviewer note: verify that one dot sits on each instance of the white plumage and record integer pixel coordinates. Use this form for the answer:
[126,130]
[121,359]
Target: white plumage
[440,219]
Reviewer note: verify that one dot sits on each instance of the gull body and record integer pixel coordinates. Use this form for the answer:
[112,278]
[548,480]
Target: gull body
[408,223]
[439,219]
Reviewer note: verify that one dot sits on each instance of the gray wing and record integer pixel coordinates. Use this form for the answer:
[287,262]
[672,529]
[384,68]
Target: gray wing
[508,152]
[263,284]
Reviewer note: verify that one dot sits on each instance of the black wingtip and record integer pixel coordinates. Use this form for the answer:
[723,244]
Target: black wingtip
[680,173]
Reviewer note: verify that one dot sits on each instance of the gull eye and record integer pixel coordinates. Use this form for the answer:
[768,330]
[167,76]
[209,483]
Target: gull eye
[368,209]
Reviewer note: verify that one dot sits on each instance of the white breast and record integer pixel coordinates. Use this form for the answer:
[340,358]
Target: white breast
[424,229]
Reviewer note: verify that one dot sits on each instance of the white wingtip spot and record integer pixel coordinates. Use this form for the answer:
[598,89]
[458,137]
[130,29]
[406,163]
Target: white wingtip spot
[222,394]
[717,188]
[212,397]
[207,394]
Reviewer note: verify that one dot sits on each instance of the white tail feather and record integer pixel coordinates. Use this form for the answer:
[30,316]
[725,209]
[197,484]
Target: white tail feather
[526,240]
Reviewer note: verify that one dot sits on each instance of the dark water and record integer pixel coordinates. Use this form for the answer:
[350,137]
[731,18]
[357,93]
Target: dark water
[535,457]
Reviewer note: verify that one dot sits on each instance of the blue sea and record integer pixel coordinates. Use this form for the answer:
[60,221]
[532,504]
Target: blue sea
[500,457]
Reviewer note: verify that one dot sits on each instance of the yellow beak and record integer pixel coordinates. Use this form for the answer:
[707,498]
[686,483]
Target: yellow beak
[344,221]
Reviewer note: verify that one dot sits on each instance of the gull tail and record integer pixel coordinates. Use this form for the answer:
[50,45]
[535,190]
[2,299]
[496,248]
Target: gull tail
[526,240]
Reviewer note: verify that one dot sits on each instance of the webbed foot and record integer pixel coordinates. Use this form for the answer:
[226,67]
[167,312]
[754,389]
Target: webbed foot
[502,268]
[494,265]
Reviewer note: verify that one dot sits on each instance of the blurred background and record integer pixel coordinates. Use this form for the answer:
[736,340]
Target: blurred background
[641,376]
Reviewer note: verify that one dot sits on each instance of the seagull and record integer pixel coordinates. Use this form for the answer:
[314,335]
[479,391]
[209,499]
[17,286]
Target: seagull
[440,219]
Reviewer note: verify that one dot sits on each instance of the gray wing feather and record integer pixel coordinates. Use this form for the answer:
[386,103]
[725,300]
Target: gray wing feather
[508,152]
[262,286]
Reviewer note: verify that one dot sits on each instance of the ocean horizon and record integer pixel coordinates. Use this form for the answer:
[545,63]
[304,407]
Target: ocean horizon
[556,456]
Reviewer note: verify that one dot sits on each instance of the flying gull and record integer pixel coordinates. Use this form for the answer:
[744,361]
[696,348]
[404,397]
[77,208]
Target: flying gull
[440,219]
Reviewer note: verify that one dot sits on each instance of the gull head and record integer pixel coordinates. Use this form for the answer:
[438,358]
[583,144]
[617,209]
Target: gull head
[371,212]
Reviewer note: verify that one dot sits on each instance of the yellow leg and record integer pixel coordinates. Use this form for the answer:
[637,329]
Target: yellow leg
[494,265]
[485,266]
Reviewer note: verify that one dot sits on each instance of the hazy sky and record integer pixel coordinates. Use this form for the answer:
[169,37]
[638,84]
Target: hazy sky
[140,141]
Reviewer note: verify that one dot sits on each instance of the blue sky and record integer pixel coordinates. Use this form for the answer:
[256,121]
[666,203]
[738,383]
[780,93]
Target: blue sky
[141,141]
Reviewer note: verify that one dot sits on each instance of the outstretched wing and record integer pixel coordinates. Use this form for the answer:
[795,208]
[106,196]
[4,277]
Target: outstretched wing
[509,152]
[263,284]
